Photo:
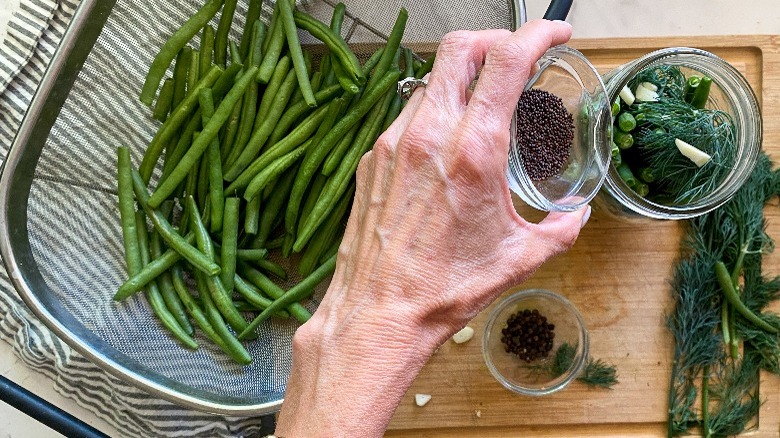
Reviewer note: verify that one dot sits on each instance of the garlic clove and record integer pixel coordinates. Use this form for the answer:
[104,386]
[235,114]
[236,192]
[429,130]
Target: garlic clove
[698,156]
[422,399]
[464,335]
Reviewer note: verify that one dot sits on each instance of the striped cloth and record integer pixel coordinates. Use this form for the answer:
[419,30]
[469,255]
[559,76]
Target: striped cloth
[32,37]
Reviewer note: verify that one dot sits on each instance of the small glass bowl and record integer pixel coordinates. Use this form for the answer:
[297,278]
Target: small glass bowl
[566,73]
[533,378]
[730,93]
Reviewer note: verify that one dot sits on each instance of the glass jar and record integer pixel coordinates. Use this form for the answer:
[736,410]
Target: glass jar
[567,74]
[730,93]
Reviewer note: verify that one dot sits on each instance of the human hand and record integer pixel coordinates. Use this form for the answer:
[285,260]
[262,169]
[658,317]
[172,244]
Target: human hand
[432,238]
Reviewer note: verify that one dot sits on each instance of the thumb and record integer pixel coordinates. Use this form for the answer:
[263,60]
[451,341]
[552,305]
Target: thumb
[534,244]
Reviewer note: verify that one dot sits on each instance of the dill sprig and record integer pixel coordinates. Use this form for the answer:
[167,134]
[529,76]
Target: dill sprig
[735,235]
[709,130]
[596,373]
[669,79]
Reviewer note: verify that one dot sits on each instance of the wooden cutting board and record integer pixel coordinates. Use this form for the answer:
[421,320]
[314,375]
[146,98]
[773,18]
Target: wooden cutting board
[618,275]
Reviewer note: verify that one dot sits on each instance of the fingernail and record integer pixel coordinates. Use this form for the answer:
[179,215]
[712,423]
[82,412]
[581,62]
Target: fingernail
[562,22]
[586,216]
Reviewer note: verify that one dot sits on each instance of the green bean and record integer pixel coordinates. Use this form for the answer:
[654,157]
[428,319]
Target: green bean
[297,95]
[252,215]
[309,166]
[180,76]
[273,50]
[425,68]
[296,53]
[150,271]
[289,240]
[270,266]
[127,211]
[235,53]
[163,104]
[193,308]
[203,176]
[169,234]
[275,203]
[172,125]
[294,139]
[252,254]
[357,112]
[335,43]
[269,100]
[295,112]
[642,189]
[338,152]
[408,62]
[226,81]
[251,293]
[249,105]
[300,291]
[193,76]
[732,296]
[210,131]
[325,235]
[702,93]
[624,140]
[282,78]
[223,31]
[627,175]
[219,295]
[206,48]
[347,84]
[337,184]
[647,175]
[214,169]
[372,61]
[229,242]
[392,112]
[153,295]
[231,131]
[175,43]
[172,301]
[328,77]
[690,87]
[393,43]
[311,198]
[231,345]
[253,12]
[272,290]
[273,170]
[626,122]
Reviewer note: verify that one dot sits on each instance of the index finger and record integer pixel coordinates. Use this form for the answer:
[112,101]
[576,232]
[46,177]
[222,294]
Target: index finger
[508,65]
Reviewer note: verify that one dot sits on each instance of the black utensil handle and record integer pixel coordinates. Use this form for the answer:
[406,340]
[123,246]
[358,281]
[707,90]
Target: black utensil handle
[558,10]
[45,412]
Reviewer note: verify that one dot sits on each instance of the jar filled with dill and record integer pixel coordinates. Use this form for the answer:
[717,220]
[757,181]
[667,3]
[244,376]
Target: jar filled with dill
[686,134]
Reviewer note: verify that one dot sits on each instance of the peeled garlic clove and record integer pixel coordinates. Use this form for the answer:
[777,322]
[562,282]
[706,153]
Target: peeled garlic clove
[422,399]
[698,156]
[627,95]
[464,335]
[650,86]
[644,94]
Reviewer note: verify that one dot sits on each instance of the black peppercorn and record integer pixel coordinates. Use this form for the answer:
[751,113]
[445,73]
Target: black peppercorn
[528,335]
[545,131]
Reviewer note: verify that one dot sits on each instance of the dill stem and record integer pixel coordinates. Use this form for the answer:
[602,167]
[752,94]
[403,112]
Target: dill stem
[705,402]
[738,266]
[672,398]
[724,321]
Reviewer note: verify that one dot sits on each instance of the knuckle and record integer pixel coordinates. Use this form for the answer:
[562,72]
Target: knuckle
[383,149]
[510,54]
[456,41]
[364,166]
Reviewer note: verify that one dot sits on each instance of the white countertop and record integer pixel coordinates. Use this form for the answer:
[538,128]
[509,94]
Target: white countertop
[591,19]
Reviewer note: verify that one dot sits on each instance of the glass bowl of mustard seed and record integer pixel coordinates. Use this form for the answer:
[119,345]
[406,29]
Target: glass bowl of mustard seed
[535,342]
[560,143]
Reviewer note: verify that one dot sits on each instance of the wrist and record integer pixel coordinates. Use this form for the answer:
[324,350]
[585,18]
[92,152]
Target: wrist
[350,370]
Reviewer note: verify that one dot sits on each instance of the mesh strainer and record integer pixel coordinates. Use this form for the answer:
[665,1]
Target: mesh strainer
[59,224]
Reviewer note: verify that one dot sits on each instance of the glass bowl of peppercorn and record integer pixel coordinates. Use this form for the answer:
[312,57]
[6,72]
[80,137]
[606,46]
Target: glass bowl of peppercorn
[560,135]
[535,342]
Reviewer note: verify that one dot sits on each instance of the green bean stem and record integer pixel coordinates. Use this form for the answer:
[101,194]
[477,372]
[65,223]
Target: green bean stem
[206,49]
[172,46]
[337,46]
[393,43]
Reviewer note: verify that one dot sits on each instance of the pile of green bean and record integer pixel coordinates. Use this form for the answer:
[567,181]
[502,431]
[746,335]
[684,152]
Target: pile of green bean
[258,150]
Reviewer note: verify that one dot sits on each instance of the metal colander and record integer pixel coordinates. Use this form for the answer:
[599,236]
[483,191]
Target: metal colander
[60,234]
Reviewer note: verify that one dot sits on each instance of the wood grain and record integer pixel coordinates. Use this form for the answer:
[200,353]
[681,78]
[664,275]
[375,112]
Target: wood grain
[618,276]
